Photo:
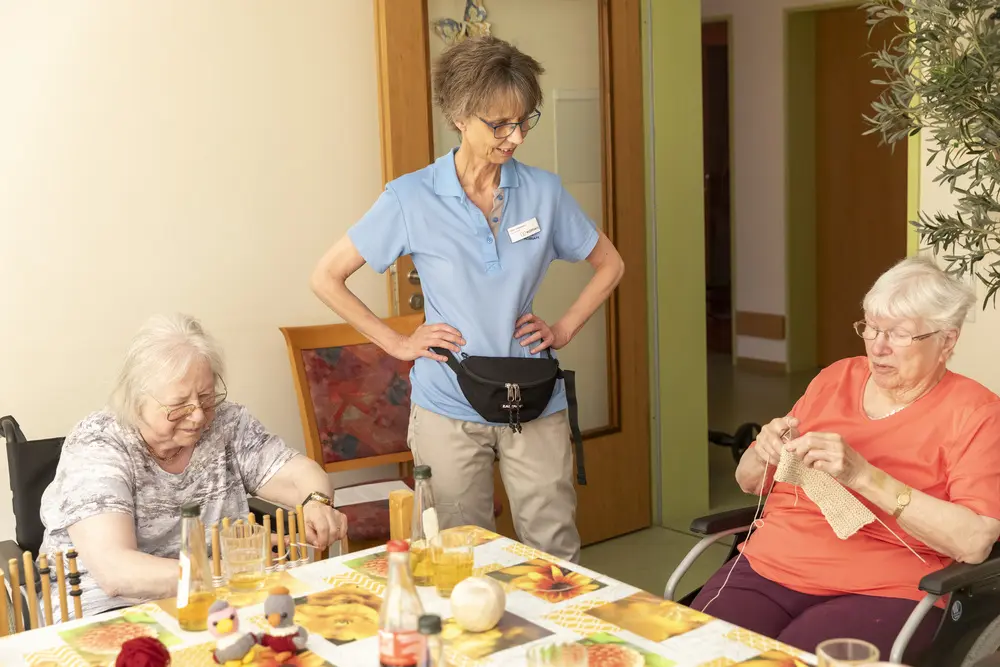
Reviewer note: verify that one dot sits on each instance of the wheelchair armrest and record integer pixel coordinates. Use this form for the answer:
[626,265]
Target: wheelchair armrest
[261,507]
[959,575]
[723,521]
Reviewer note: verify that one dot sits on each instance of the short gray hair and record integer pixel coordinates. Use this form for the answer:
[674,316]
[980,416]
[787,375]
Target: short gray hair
[163,351]
[473,75]
[916,288]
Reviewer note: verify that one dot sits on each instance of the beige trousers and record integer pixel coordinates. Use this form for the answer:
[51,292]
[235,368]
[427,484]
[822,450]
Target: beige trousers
[536,466]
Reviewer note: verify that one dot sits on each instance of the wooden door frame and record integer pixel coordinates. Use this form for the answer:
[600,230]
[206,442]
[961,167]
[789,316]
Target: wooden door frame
[402,44]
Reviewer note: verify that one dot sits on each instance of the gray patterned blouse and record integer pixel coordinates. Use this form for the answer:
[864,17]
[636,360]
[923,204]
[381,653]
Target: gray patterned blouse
[105,467]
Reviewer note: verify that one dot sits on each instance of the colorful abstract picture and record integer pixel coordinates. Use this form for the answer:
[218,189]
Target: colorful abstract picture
[201,656]
[374,566]
[773,659]
[547,581]
[604,650]
[650,617]
[361,399]
[511,631]
[98,643]
[340,615]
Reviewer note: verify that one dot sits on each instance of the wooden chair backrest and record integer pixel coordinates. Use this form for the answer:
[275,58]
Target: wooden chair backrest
[354,398]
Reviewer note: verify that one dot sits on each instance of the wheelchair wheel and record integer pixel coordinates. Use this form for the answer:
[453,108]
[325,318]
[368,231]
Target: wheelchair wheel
[982,640]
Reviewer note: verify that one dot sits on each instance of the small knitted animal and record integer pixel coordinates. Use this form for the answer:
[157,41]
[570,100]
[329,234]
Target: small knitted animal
[283,637]
[232,647]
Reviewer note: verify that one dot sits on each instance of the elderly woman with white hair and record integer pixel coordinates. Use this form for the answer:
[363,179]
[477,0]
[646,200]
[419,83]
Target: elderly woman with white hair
[917,444]
[169,437]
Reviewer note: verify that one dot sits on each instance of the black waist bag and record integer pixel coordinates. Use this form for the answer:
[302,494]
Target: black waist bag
[514,390]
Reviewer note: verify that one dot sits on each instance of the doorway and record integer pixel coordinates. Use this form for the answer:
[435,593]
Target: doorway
[717,166]
[861,203]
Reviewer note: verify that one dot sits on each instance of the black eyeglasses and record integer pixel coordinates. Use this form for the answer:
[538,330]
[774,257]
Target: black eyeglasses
[175,413]
[504,130]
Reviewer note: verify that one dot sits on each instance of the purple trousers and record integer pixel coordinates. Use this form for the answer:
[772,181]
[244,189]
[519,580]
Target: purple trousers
[803,621]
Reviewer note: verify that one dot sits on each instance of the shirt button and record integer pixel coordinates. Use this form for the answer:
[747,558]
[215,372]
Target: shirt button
[495,220]
[489,239]
[500,197]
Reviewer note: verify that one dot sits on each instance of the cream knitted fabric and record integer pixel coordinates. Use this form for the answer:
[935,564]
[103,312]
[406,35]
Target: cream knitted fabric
[844,512]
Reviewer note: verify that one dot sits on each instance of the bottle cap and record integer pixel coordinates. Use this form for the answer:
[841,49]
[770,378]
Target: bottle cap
[429,624]
[397,547]
[189,510]
[422,472]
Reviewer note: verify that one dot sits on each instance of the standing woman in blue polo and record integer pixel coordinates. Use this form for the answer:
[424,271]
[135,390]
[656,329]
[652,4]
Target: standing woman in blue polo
[482,229]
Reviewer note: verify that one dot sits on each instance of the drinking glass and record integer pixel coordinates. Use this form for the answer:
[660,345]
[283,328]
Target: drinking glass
[846,653]
[557,655]
[452,555]
[243,553]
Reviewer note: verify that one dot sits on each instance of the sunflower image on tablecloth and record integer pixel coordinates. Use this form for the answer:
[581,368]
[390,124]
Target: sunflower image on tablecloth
[511,631]
[650,617]
[98,643]
[201,656]
[605,650]
[773,659]
[339,615]
[547,581]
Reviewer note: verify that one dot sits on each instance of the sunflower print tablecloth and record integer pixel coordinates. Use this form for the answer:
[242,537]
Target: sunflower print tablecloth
[338,601]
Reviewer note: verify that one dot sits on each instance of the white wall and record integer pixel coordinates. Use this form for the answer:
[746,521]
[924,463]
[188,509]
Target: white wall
[757,55]
[174,156]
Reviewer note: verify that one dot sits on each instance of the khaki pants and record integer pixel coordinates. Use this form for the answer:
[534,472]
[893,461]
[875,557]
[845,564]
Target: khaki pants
[536,466]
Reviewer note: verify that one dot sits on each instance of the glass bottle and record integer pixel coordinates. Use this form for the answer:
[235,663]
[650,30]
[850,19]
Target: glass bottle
[430,627]
[399,642]
[424,527]
[195,593]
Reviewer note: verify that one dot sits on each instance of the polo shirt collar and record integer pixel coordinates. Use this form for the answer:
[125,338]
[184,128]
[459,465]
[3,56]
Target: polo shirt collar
[446,178]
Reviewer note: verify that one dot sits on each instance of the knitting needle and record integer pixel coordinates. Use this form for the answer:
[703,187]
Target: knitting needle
[43,573]
[267,537]
[251,519]
[225,522]
[280,520]
[29,589]
[4,623]
[293,552]
[15,598]
[61,586]
[74,581]
[216,552]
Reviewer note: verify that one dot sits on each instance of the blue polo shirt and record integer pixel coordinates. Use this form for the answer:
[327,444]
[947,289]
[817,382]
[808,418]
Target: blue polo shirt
[477,282]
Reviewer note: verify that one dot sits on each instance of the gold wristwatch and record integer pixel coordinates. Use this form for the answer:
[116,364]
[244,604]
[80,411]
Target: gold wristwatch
[318,497]
[902,500]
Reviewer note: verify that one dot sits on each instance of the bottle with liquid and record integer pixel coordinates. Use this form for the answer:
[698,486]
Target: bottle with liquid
[430,627]
[195,592]
[400,643]
[424,527]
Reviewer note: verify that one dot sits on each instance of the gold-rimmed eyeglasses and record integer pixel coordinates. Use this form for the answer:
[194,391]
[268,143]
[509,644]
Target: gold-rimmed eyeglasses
[175,413]
[896,337]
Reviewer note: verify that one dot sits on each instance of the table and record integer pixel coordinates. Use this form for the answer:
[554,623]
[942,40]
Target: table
[338,599]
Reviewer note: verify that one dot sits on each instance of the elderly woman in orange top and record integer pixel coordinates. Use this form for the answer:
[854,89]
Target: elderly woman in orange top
[916,443]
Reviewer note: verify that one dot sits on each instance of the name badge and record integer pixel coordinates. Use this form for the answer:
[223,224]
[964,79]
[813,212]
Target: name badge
[523,230]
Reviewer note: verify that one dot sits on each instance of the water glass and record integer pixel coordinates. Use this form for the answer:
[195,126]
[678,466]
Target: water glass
[557,655]
[452,555]
[846,653]
[243,556]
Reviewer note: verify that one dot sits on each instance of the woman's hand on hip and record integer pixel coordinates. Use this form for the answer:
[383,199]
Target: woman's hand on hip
[830,453]
[772,439]
[420,342]
[324,525]
[537,331]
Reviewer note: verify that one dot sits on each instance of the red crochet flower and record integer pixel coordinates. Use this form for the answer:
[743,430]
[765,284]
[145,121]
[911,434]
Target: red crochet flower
[143,652]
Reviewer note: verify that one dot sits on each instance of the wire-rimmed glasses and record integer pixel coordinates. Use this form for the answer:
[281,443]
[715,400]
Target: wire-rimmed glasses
[176,413]
[896,337]
[504,130]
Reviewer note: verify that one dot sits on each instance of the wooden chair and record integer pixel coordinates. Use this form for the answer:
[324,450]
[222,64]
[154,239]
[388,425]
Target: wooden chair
[354,403]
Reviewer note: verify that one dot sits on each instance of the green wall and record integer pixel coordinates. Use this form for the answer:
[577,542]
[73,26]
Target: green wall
[675,185]
[800,177]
